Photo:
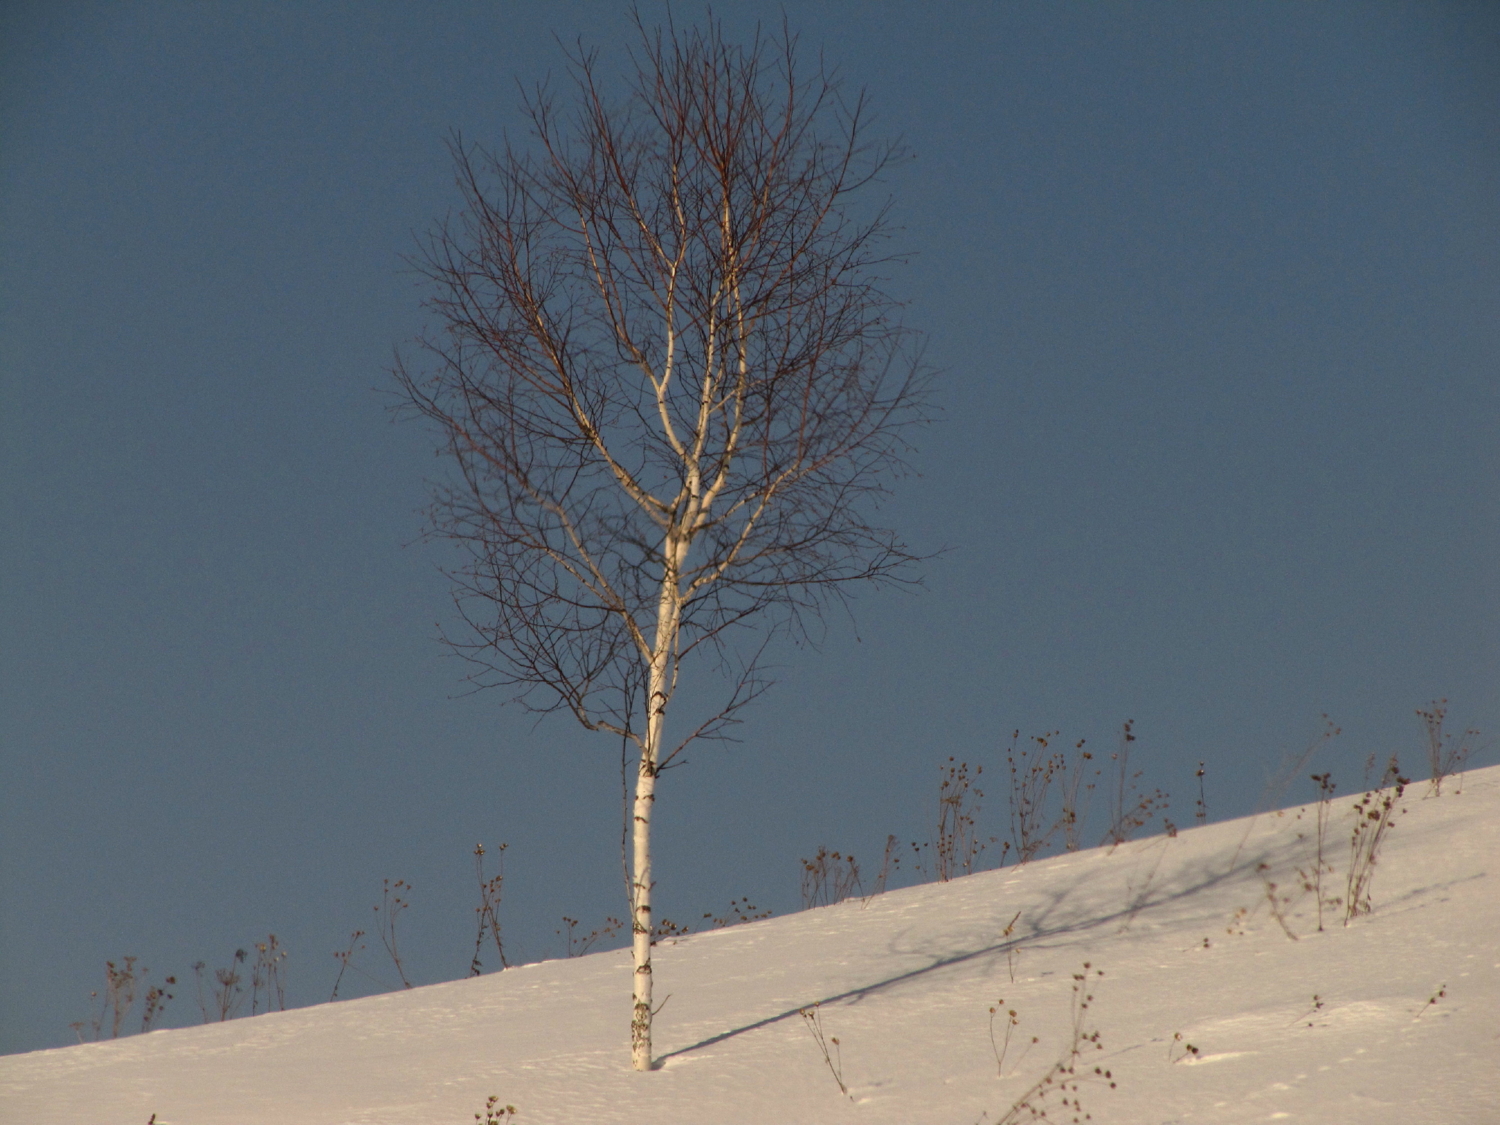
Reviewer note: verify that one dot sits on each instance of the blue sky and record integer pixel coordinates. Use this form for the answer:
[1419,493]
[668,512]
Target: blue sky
[1213,292]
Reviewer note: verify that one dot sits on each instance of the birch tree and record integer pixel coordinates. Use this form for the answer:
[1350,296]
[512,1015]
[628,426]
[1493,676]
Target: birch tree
[672,390]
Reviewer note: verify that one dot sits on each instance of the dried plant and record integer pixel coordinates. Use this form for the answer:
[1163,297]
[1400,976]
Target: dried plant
[957,845]
[827,878]
[1128,808]
[488,909]
[1063,1079]
[120,993]
[890,862]
[1012,952]
[1200,807]
[665,928]
[392,903]
[1374,816]
[814,1019]
[1444,756]
[1276,901]
[1317,1006]
[1313,881]
[920,853]
[1073,812]
[268,975]
[121,983]
[1442,991]
[740,911]
[1032,771]
[343,957]
[1187,1049]
[576,946]
[1011,1021]
[156,999]
[494,1113]
[228,994]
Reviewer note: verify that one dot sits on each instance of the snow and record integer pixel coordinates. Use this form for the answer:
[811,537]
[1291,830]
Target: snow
[905,982]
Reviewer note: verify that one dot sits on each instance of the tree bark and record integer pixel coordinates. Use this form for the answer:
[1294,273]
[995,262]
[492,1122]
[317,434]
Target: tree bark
[659,691]
[640,914]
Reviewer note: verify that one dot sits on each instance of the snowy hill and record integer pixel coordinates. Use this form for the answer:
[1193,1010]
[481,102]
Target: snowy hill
[1391,1019]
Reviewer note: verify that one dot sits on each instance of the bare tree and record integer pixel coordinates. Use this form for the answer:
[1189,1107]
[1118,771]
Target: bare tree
[673,389]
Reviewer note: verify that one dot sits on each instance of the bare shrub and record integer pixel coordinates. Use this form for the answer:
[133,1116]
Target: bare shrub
[827,878]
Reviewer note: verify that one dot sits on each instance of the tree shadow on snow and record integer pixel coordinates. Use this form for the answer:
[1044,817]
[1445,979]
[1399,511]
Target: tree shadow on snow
[1060,916]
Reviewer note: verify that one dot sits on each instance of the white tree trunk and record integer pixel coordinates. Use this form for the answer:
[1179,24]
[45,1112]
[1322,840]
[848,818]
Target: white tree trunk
[640,914]
[659,690]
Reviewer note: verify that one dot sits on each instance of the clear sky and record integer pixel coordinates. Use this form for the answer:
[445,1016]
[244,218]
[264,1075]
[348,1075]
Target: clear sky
[1215,291]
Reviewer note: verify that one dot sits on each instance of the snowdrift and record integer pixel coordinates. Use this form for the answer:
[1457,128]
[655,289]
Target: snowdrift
[1388,1019]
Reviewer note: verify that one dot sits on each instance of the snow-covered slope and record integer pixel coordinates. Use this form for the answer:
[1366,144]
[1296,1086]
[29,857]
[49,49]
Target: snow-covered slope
[905,982]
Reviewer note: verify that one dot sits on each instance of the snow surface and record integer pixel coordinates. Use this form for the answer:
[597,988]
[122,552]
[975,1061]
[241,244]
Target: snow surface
[905,982]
